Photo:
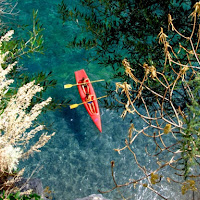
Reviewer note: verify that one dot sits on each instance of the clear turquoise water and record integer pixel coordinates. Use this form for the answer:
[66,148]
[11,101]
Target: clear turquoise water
[76,162]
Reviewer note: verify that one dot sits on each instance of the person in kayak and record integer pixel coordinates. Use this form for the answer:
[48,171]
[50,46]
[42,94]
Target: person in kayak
[84,85]
[89,100]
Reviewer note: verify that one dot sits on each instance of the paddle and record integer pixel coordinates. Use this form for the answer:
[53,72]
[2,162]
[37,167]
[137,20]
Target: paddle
[76,105]
[71,85]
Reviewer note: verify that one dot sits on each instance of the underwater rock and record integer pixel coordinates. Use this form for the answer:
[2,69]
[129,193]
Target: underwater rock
[93,197]
[34,184]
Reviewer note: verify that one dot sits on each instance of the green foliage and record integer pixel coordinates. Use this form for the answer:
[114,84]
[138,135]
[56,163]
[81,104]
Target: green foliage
[17,196]
[44,79]
[116,29]
[191,137]
[113,30]
[18,48]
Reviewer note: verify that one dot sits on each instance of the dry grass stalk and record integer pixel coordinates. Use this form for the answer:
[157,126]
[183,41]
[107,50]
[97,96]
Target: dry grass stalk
[16,124]
[163,123]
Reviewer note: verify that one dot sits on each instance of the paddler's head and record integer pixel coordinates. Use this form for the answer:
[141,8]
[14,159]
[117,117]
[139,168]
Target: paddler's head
[83,79]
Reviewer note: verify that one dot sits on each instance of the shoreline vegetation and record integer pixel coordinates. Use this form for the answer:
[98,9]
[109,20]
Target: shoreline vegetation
[20,106]
[18,126]
[175,131]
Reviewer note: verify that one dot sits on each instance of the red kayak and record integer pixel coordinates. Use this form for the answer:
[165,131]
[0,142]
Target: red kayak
[88,96]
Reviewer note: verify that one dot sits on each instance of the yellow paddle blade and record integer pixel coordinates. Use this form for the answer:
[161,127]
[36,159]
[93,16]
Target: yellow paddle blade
[68,86]
[73,106]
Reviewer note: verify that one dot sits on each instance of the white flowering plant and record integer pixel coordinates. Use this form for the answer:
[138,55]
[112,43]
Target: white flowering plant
[17,119]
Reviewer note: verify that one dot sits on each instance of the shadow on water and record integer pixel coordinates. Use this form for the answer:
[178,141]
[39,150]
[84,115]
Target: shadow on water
[72,117]
[73,120]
